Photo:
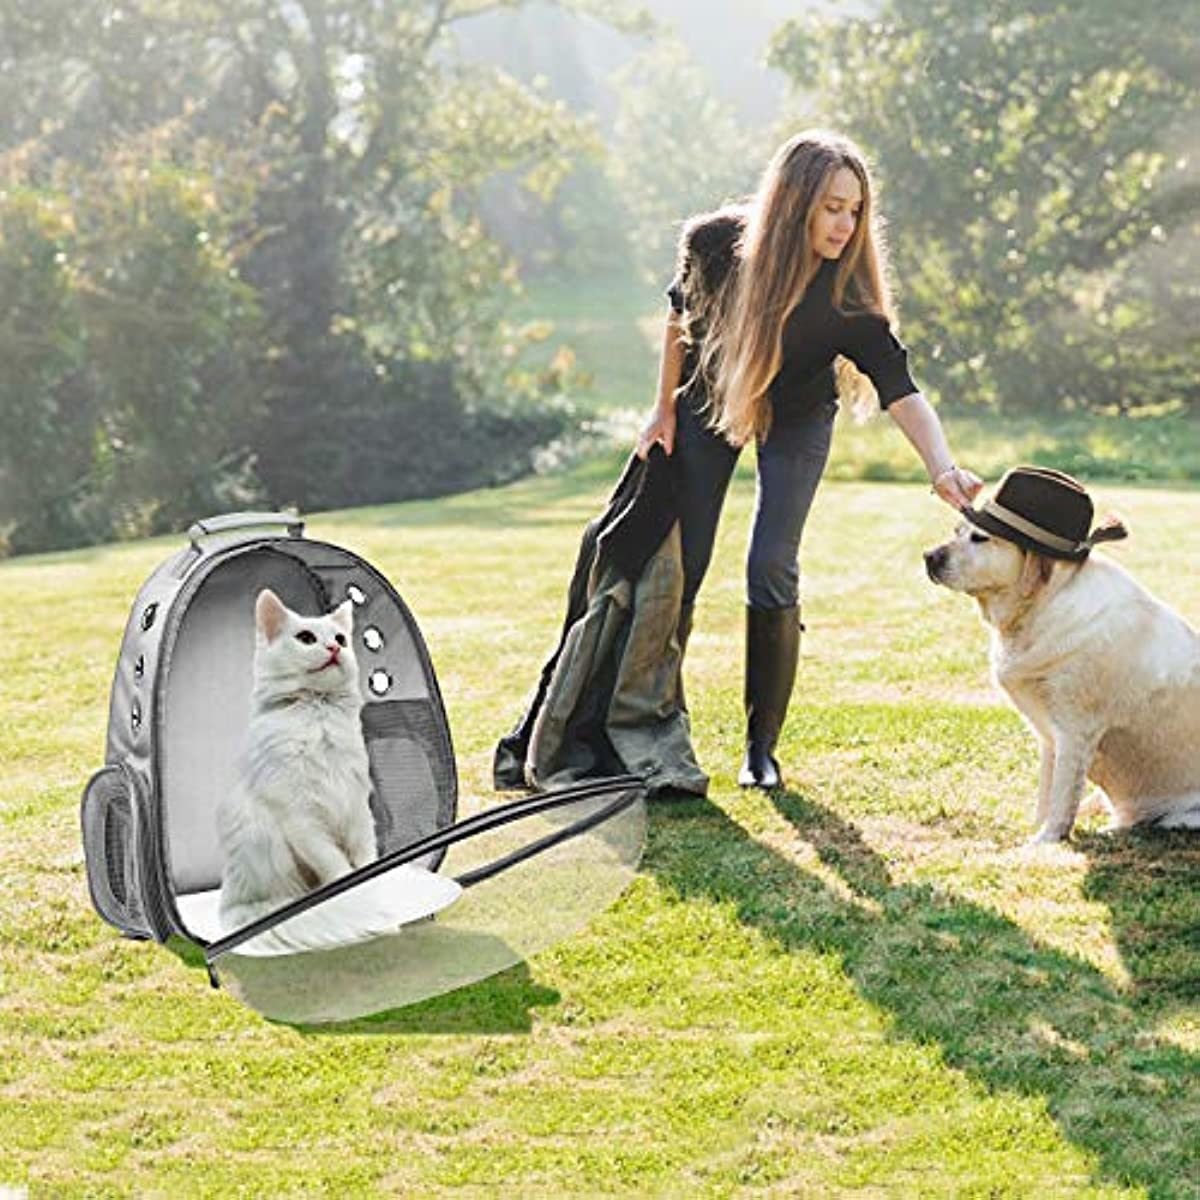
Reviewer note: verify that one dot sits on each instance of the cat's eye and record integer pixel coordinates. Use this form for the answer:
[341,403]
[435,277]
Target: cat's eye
[306,636]
[340,638]
[980,537]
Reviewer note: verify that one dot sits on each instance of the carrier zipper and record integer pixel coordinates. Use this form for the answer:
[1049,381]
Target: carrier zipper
[480,823]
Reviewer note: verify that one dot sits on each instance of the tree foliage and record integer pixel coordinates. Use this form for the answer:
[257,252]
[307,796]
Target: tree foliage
[1041,168]
[677,148]
[129,393]
[254,223]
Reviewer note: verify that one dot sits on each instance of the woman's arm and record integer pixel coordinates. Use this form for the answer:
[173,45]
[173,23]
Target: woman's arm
[919,423]
[661,426]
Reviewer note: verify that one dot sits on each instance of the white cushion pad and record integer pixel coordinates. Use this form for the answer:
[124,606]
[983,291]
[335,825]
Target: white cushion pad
[379,906]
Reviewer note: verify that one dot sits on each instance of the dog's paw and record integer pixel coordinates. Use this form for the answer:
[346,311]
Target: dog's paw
[1049,834]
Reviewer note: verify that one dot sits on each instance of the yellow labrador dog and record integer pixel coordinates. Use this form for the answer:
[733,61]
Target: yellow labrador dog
[1107,675]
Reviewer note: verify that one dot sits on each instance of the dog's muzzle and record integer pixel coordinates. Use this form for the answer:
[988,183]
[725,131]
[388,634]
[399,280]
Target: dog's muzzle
[935,563]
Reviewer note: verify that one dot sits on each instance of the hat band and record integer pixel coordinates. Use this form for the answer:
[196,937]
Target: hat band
[1030,530]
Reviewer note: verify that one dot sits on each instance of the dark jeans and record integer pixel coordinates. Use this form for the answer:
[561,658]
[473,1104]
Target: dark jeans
[790,464]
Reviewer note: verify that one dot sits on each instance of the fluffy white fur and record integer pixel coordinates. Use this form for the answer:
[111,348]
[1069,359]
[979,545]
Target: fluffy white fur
[300,813]
[1107,676]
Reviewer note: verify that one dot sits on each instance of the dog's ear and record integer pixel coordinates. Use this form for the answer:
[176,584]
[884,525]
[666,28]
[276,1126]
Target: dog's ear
[1035,573]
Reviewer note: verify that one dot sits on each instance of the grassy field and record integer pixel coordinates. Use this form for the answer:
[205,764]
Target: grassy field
[864,986]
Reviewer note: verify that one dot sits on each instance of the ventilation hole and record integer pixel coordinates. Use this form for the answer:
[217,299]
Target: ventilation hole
[135,715]
[139,667]
[372,638]
[148,615]
[356,594]
[380,682]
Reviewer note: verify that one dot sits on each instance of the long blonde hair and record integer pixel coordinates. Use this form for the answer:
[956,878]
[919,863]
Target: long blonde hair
[742,347]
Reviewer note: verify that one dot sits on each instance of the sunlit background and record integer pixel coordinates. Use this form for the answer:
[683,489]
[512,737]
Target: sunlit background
[325,253]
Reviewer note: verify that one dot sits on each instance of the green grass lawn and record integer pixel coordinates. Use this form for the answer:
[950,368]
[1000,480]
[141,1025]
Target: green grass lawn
[865,986]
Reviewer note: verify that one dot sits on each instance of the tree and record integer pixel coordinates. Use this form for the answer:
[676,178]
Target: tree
[1039,166]
[130,388]
[49,414]
[676,148]
[363,146]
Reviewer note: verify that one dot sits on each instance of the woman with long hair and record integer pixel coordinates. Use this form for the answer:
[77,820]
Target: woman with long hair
[779,306]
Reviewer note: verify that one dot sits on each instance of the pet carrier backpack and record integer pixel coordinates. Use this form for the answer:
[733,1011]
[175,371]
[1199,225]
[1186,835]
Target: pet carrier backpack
[469,897]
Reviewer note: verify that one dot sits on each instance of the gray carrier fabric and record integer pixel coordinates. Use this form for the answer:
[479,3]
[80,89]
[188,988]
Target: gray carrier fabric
[180,706]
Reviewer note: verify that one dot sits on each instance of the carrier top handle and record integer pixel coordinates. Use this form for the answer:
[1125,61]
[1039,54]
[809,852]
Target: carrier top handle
[245,520]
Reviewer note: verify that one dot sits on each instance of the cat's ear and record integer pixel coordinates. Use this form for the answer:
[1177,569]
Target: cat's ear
[343,616]
[269,614]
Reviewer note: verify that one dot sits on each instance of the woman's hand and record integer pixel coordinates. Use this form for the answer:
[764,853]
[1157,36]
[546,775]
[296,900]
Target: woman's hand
[660,428]
[957,487]
[919,423]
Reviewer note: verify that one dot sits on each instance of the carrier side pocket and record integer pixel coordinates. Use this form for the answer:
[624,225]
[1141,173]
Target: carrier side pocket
[113,815]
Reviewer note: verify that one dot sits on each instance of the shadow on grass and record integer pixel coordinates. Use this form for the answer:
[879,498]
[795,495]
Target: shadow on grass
[1150,882]
[501,1003]
[1013,1014]
[504,1003]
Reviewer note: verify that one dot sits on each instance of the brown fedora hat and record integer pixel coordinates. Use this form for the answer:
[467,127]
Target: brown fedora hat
[1045,511]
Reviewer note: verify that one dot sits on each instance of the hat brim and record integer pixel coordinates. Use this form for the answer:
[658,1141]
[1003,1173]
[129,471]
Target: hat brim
[996,527]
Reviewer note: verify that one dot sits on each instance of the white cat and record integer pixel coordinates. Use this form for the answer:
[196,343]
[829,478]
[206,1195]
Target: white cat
[300,814]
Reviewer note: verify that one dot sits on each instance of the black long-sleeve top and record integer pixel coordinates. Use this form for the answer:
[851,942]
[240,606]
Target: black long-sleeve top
[814,333]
